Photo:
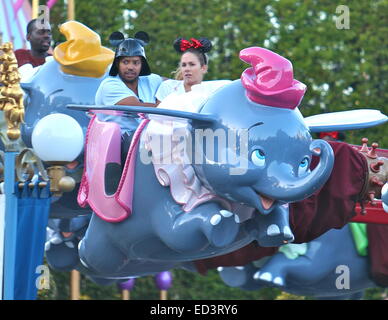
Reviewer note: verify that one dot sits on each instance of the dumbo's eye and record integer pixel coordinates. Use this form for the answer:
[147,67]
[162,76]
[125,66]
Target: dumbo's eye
[303,166]
[258,157]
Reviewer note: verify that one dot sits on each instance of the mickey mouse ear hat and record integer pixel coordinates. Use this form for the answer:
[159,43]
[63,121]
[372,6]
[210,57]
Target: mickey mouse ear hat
[130,47]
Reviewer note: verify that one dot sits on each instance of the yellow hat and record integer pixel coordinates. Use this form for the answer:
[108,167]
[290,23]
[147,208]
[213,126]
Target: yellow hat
[82,53]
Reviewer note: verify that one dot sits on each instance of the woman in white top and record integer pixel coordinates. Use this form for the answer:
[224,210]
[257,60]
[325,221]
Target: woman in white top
[192,67]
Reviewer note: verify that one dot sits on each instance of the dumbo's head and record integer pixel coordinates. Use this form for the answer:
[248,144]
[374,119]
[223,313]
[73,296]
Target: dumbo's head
[259,154]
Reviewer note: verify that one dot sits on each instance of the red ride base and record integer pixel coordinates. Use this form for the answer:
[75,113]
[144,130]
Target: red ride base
[374,214]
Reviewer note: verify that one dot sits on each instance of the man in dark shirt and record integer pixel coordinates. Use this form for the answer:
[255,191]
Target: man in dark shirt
[39,36]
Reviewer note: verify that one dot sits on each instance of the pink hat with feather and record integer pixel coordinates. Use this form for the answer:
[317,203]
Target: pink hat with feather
[270,81]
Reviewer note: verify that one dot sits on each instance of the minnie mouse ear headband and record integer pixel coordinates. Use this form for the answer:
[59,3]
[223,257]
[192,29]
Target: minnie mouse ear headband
[130,47]
[202,45]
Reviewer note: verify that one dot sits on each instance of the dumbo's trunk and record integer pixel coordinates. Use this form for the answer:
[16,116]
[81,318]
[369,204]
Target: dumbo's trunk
[291,189]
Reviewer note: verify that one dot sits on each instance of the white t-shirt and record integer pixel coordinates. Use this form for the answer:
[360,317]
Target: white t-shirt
[169,86]
[176,86]
[113,89]
[190,101]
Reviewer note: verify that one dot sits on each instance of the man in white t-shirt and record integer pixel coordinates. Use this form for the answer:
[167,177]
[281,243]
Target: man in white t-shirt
[130,80]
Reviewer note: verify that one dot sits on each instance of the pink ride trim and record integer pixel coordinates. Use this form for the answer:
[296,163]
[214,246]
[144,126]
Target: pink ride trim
[103,145]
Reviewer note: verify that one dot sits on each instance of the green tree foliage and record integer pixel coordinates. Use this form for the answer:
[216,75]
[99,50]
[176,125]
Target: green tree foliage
[186,286]
[101,16]
[344,69]
[228,24]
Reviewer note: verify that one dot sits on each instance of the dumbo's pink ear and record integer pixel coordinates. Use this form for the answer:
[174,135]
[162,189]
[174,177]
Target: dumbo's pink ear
[270,81]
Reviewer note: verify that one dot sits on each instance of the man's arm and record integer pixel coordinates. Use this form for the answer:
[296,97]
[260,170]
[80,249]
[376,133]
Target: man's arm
[133,101]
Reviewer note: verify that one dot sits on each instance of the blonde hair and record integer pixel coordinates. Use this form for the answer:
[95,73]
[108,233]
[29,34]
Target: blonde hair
[177,73]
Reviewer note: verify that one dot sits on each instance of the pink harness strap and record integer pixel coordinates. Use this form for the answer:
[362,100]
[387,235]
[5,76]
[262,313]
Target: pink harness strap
[103,145]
